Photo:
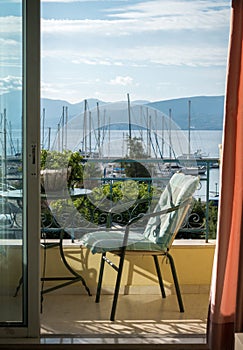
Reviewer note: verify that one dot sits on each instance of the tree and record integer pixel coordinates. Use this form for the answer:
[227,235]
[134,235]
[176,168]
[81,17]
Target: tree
[133,167]
[71,163]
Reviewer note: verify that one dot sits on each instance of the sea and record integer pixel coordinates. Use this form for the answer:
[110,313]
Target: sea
[113,143]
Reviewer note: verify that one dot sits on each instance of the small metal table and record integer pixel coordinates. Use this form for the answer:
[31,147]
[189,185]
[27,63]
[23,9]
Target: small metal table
[76,277]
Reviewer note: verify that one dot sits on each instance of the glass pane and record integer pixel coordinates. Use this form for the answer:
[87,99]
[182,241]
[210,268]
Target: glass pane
[11,242]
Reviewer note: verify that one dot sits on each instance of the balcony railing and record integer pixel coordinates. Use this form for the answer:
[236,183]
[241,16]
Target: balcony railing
[114,198]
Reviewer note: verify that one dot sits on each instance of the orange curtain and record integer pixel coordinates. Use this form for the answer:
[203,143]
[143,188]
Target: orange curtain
[225,316]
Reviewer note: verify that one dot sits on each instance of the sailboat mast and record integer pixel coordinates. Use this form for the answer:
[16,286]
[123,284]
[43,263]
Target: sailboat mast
[98,119]
[189,128]
[62,126]
[85,128]
[58,138]
[43,127]
[149,135]
[90,146]
[49,139]
[12,150]
[4,144]
[163,131]
[109,137]
[170,141]
[129,117]
[66,126]
[147,127]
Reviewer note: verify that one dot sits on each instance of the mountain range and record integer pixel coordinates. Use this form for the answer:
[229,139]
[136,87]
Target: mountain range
[206,111]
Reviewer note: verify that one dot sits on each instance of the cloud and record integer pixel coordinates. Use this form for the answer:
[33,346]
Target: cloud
[69,1]
[136,42]
[9,42]
[10,83]
[59,1]
[119,80]
[10,24]
[169,8]
[202,55]
[139,34]
[87,26]
[10,55]
[94,61]
[48,89]
[146,17]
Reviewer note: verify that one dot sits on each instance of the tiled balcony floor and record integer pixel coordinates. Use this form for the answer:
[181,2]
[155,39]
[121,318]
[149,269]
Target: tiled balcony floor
[143,317]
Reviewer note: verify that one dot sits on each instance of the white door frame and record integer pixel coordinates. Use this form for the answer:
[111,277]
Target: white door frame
[31,136]
[31,177]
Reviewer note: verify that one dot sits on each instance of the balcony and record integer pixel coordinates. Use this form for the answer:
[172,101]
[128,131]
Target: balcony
[70,315]
[142,315]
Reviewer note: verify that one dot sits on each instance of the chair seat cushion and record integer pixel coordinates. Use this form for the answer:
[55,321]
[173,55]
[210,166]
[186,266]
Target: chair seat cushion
[104,241]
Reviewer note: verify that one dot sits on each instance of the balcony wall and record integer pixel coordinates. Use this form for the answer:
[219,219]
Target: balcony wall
[193,259]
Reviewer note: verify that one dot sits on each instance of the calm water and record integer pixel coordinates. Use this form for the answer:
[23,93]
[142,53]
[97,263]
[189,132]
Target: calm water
[113,143]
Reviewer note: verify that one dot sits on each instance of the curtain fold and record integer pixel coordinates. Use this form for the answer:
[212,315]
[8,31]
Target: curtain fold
[226,299]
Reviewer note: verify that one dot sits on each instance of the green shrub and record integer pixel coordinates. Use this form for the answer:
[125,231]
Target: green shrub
[129,203]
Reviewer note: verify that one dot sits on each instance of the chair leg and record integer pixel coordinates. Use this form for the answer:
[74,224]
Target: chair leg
[161,284]
[117,287]
[174,274]
[102,263]
[18,286]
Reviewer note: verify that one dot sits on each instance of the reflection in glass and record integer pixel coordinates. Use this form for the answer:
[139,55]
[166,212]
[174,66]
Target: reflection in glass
[11,243]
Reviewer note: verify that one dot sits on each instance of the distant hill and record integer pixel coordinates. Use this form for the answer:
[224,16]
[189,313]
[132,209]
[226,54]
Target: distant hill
[12,103]
[206,111]
[54,108]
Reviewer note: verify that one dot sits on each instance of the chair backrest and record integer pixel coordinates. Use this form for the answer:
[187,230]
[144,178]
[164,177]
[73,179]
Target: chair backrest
[162,229]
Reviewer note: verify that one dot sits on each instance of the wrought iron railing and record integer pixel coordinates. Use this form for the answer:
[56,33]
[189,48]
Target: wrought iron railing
[111,202]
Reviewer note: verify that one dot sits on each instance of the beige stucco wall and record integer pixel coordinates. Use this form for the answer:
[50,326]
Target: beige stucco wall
[193,261]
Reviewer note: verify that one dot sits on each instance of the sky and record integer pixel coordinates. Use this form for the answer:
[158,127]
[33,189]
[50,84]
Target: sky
[153,50]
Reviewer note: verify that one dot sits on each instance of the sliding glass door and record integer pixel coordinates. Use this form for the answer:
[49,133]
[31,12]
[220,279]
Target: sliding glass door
[19,175]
